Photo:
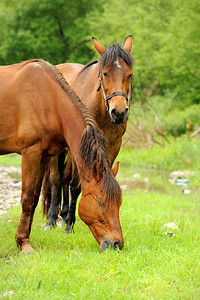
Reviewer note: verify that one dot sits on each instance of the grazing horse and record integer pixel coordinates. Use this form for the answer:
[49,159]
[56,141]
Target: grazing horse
[40,115]
[105,88]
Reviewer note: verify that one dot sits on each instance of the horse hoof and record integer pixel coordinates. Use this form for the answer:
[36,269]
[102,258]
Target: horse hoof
[49,226]
[69,229]
[27,249]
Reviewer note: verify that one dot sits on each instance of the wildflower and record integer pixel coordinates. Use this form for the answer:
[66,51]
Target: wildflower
[146,191]
[138,190]
[112,271]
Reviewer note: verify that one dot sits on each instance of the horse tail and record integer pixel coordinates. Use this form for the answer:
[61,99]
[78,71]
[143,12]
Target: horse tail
[46,200]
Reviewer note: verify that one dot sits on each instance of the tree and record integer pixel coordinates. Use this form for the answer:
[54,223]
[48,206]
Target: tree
[54,30]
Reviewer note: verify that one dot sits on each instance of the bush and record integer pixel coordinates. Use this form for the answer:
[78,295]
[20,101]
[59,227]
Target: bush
[180,117]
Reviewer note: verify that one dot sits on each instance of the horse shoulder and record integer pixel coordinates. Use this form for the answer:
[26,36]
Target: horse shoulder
[69,70]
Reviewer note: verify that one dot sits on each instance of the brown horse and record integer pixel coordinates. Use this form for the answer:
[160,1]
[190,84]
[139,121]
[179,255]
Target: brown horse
[105,88]
[40,116]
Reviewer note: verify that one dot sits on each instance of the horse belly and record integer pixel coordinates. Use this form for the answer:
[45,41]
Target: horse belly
[7,142]
[7,132]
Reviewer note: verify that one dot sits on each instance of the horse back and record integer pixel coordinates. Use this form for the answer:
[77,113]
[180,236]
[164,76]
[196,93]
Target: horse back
[27,106]
[70,70]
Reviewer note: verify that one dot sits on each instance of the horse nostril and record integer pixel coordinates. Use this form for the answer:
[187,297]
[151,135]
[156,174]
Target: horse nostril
[104,246]
[114,112]
[116,244]
[118,114]
[126,110]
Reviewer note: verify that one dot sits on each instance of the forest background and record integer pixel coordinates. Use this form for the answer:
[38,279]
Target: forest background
[166,50]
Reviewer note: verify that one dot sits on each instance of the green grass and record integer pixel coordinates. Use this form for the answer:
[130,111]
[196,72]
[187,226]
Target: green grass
[10,160]
[152,265]
[182,155]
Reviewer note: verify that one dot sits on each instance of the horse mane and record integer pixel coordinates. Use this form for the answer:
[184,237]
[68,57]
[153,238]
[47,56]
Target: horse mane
[93,62]
[92,143]
[87,116]
[93,149]
[114,52]
[110,56]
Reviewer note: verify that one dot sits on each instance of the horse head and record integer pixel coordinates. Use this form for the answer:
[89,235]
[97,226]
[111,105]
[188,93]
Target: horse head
[115,78]
[99,207]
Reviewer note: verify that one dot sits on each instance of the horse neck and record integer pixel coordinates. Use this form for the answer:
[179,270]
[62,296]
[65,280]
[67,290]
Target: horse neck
[85,85]
[73,126]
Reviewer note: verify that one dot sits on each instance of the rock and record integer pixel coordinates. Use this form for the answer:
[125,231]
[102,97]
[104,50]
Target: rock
[8,294]
[136,175]
[185,191]
[124,187]
[171,225]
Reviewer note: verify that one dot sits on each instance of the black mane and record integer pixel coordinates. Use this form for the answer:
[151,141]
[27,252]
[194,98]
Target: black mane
[93,149]
[110,56]
[113,53]
[93,62]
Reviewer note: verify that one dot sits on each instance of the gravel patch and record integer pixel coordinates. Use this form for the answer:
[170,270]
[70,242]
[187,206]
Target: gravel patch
[10,187]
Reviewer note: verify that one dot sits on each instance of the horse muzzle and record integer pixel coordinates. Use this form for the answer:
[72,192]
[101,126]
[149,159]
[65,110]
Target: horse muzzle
[118,117]
[113,245]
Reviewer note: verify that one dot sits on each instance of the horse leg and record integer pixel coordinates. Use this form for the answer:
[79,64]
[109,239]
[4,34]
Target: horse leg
[75,190]
[65,184]
[65,205]
[71,218]
[32,174]
[55,193]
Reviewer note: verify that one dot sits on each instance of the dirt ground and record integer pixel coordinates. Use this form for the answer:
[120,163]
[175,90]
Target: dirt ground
[10,187]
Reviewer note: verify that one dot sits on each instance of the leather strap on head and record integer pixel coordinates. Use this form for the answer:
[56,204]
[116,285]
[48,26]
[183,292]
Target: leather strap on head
[113,94]
[116,94]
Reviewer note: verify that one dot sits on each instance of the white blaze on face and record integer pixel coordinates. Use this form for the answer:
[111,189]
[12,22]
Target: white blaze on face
[118,64]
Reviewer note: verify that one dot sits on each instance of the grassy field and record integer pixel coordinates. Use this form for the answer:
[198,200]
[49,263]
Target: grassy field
[182,155]
[152,265]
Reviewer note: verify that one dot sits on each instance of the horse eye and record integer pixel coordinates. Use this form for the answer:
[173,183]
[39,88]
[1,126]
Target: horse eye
[102,221]
[100,203]
[130,76]
[105,75]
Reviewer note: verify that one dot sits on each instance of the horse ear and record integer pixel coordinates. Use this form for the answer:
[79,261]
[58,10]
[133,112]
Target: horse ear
[128,43]
[100,48]
[115,169]
[96,172]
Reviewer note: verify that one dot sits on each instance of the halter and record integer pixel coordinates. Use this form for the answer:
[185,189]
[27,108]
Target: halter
[128,97]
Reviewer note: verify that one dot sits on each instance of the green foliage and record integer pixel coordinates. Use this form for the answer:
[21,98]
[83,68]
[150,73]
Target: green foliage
[163,112]
[180,117]
[53,30]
